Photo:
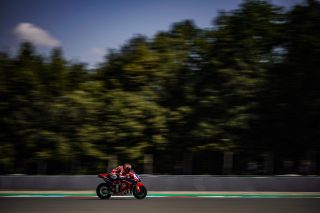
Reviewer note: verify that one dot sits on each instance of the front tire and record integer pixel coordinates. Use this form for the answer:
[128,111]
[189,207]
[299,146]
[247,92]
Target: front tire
[103,191]
[140,195]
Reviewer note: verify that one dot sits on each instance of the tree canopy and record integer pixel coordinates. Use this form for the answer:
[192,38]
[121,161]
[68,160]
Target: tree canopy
[251,82]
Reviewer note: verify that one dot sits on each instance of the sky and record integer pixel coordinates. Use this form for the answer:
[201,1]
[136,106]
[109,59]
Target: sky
[87,29]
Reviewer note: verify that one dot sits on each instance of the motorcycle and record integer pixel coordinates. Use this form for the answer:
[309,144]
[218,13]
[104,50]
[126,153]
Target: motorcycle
[116,185]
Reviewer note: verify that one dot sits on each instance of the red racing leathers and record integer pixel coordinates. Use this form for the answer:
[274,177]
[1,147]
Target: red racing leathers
[123,173]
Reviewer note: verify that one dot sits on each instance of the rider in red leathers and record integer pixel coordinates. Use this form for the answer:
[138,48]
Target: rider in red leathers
[124,171]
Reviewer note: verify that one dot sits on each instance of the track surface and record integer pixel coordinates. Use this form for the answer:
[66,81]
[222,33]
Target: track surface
[157,205]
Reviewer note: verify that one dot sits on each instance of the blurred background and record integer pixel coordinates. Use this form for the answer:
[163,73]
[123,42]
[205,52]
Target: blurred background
[241,96]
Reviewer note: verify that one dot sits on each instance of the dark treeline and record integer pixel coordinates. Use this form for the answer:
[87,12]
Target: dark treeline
[249,85]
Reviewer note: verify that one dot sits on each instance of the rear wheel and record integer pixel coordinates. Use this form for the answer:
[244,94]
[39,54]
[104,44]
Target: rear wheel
[141,193]
[103,191]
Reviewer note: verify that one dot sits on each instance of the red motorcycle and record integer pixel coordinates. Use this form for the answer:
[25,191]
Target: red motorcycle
[116,185]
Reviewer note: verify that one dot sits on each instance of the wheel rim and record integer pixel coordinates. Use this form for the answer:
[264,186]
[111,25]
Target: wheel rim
[104,191]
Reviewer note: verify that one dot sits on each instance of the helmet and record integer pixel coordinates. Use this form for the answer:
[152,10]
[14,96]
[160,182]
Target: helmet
[127,167]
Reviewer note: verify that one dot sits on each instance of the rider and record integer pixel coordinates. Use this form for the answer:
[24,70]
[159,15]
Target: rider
[124,172]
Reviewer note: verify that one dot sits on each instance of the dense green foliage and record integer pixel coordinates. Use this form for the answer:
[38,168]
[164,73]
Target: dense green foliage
[250,83]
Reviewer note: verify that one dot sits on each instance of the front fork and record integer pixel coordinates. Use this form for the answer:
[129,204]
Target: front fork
[137,186]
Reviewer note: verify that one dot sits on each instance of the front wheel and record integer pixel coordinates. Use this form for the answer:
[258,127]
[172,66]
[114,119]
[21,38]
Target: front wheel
[103,191]
[140,192]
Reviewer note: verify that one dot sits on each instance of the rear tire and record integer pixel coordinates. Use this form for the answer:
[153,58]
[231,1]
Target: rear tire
[103,191]
[140,195]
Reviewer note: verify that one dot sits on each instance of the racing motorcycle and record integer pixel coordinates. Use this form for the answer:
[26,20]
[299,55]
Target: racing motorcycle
[116,185]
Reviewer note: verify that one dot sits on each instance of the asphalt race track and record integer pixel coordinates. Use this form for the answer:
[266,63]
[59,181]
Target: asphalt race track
[157,205]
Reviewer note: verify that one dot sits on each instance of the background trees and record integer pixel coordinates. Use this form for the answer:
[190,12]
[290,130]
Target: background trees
[247,85]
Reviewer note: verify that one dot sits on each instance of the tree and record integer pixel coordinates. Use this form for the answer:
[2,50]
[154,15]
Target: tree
[55,78]
[133,125]
[7,150]
[292,117]
[238,58]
